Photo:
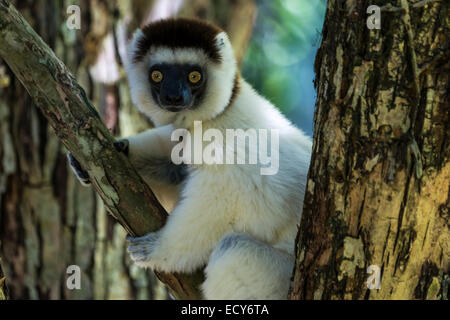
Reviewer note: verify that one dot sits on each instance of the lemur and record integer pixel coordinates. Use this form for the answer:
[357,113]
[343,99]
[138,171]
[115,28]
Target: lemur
[240,224]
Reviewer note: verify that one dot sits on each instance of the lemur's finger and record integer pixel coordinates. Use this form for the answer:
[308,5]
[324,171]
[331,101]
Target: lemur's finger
[177,173]
[122,145]
[139,256]
[135,248]
[139,239]
[81,174]
[134,240]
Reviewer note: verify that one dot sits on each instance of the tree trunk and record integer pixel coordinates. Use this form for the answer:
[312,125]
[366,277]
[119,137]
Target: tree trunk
[378,187]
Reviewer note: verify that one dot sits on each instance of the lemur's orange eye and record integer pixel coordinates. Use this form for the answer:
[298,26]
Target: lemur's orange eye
[195,77]
[157,76]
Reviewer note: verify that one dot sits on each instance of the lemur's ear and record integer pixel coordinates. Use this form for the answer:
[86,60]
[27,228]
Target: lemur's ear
[223,44]
[133,45]
[220,41]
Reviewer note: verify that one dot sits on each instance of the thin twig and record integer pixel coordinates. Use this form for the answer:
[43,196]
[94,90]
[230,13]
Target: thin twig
[410,44]
[421,3]
[390,8]
[443,55]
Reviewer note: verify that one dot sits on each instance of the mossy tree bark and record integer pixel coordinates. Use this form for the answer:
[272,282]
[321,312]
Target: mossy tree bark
[378,189]
[4,293]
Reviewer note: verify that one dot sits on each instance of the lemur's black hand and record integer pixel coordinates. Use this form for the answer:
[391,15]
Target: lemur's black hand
[177,173]
[121,145]
[81,174]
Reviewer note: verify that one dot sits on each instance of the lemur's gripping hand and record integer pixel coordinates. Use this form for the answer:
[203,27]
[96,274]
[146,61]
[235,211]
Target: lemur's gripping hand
[142,248]
[82,175]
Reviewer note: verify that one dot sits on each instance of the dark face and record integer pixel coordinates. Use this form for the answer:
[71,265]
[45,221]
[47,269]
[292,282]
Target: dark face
[177,87]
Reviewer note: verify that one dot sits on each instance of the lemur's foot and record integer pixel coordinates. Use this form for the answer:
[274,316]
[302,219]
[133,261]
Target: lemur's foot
[121,145]
[141,248]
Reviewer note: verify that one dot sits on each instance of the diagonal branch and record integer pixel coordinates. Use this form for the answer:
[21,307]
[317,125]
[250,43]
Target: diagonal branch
[78,125]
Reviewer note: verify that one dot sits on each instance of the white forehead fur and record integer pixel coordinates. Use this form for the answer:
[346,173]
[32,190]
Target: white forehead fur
[219,86]
[168,55]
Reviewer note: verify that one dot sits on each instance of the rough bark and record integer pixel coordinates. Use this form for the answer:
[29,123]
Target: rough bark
[77,124]
[38,239]
[378,187]
[4,293]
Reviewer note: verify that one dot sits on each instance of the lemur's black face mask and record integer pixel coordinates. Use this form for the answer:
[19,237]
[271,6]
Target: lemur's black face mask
[177,87]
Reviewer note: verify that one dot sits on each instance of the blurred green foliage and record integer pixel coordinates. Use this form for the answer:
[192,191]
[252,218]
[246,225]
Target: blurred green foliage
[280,58]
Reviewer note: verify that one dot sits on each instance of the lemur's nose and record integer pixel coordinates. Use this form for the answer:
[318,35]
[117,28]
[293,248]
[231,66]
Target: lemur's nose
[174,100]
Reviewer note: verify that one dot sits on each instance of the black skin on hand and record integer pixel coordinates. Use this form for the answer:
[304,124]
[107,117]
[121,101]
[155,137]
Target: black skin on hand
[122,146]
[81,174]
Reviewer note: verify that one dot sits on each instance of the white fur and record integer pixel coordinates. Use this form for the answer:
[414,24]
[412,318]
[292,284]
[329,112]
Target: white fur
[242,225]
[265,271]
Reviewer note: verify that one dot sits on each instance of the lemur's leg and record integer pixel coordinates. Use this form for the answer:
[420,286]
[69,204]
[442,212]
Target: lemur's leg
[241,267]
[149,152]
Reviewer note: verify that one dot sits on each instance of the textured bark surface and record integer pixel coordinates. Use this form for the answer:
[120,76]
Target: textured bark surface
[378,187]
[4,293]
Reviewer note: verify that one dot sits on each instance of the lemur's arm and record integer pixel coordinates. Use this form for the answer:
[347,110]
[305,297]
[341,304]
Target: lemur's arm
[149,152]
